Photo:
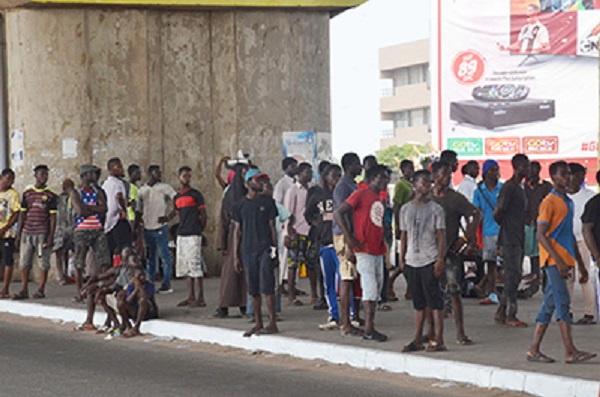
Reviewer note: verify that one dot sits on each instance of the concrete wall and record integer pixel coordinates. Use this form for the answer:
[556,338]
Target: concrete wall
[171,88]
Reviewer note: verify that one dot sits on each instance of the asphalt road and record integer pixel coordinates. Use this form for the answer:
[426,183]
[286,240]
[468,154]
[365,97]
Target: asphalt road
[38,358]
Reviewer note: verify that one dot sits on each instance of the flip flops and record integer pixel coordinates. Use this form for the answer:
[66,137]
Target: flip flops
[20,296]
[580,357]
[412,347]
[464,341]
[539,358]
[38,295]
[435,347]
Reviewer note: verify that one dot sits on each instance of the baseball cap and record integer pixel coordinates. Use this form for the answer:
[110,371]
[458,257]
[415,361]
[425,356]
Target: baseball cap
[85,168]
[254,174]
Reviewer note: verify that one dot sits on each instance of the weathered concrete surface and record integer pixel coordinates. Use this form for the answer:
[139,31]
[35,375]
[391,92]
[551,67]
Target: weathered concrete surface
[169,88]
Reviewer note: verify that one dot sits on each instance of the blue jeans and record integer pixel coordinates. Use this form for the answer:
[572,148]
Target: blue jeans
[158,240]
[556,298]
[330,266]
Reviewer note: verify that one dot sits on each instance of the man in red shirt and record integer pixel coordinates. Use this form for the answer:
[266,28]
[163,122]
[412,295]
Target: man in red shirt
[365,245]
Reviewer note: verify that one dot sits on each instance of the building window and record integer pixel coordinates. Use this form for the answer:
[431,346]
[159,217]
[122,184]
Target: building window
[415,74]
[401,119]
[401,77]
[427,116]
[417,117]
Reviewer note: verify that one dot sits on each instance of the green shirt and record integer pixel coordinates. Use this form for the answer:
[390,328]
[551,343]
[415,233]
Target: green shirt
[133,196]
[402,192]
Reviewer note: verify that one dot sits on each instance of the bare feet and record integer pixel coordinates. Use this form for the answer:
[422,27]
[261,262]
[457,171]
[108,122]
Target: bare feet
[130,333]
[254,330]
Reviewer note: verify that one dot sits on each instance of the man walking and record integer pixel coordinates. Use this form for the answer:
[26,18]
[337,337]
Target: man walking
[152,209]
[557,246]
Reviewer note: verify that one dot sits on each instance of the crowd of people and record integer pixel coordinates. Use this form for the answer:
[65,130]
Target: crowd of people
[338,233]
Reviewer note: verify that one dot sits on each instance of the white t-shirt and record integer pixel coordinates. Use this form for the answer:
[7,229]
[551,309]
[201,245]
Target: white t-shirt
[467,187]
[153,202]
[579,200]
[281,188]
[533,37]
[112,186]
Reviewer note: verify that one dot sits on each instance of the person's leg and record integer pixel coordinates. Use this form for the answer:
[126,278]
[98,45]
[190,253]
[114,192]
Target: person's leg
[123,310]
[60,261]
[345,305]
[589,292]
[8,271]
[271,327]
[25,263]
[415,286]
[162,243]
[44,263]
[150,241]
[199,291]
[144,307]
[542,320]
[91,307]
[329,266]
[293,263]
[366,265]
[267,288]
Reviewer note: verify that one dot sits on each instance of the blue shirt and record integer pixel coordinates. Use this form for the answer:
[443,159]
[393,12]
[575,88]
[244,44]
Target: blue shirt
[344,188]
[480,200]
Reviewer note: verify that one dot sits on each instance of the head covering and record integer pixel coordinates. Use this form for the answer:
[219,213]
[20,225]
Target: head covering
[489,164]
[254,174]
[85,168]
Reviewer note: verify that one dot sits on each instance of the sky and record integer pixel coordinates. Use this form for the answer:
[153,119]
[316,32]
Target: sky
[356,36]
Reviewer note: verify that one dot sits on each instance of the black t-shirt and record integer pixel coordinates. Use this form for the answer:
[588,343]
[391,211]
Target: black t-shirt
[188,203]
[254,216]
[513,203]
[591,214]
[319,207]
[535,194]
[455,207]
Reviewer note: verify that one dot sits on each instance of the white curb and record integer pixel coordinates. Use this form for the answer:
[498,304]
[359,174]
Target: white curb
[538,384]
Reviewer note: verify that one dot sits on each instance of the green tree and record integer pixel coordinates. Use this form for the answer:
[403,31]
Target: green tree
[393,155]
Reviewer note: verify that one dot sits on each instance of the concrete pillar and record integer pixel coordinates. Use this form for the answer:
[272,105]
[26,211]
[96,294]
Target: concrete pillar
[164,87]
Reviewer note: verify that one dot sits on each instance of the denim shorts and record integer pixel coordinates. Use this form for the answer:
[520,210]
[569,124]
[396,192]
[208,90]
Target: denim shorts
[556,298]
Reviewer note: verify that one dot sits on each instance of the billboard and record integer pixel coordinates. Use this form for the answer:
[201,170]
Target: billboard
[516,76]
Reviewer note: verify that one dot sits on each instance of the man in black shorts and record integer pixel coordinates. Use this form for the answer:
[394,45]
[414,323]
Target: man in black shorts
[255,248]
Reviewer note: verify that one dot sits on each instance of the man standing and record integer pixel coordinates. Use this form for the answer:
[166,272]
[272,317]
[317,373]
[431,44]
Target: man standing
[580,196]
[365,241]
[557,246]
[468,185]
[255,248]
[90,207]
[456,207]
[191,208]
[485,198]
[510,215]
[116,226]
[536,190]
[289,165]
[295,202]
[9,213]
[36,231]
[344,188]
[152,206]
[591,229]
[319,213]
[402,195]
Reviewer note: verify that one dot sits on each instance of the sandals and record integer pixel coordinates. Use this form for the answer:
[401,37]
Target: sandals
[38,295]
[464,341]
[435,347]
[351,332]
[516,324]
[295,302]
[580,357]
[20,296]
[586,320]
[539,358]
[384,308]
[4,296]
[85,327]
[412,347]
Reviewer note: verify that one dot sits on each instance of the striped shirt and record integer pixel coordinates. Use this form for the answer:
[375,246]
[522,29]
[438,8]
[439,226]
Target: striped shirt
[38,204]
[92,222]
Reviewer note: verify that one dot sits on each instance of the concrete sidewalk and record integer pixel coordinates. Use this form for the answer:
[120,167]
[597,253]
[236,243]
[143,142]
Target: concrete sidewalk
[497,359]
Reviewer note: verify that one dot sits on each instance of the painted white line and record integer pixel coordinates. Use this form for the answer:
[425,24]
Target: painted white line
[483,376]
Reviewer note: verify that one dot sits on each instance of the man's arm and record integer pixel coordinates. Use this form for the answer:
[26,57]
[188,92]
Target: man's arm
[340,218]
[545,242]
[203,218]
[22,218]
[501,205]
[438,268]
[403,247]
[396,210]
[583,273]
[590,241]
[274,255]
[237,241]
[11,221]
[219,170]
[50,239]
